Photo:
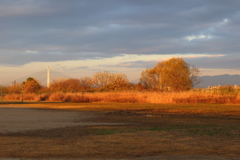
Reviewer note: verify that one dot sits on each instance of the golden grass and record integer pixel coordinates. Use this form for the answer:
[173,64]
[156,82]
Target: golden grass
[132,97]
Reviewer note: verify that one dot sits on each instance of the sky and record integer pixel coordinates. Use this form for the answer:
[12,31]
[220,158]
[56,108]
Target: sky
[81,37]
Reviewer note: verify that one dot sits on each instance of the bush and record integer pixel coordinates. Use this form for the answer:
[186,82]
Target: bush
[57,96]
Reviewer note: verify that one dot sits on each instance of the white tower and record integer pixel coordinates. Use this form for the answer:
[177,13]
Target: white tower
[48,76]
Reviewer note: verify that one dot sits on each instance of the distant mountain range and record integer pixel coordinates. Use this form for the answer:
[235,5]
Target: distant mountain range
[225,79]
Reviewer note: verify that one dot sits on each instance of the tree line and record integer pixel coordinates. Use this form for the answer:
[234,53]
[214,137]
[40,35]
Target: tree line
[171,75]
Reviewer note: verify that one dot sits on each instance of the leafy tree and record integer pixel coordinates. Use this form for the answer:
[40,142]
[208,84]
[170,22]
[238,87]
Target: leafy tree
[65,85]
[31,85]
[72,85]
[13,89]
[102,79]
[150,79]
[174,73]
[86,84]
[120,82]
[110,81]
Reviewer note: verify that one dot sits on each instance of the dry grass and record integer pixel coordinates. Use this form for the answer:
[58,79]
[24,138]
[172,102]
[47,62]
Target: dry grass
[151,129]
[132,97]
[119,145]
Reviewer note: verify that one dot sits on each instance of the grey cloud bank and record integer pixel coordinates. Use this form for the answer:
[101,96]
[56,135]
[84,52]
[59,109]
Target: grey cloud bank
[59,30]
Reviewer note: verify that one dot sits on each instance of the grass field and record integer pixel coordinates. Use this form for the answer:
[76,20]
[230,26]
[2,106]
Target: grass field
[150,129]
[187,97]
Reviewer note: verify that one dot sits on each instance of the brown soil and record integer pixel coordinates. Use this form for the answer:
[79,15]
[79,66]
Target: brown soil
[124,134]
[24,119]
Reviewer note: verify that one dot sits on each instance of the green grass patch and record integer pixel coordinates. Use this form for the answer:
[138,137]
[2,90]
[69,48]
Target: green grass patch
[152,129]
[203,130]
[103,131]
[110,130]
[232,131]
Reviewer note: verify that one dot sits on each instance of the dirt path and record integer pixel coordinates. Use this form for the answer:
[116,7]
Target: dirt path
[23,119]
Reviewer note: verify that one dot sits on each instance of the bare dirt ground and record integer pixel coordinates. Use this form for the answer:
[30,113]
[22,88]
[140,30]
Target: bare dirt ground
[24,119]
[68,131]
[188,157]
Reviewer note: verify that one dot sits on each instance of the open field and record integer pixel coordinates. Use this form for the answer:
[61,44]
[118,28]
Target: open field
[121,130]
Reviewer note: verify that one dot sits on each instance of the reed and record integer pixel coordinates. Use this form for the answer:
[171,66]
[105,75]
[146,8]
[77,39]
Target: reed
[131,97]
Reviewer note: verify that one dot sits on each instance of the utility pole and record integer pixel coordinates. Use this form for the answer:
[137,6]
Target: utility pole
[48,76]
[1,93]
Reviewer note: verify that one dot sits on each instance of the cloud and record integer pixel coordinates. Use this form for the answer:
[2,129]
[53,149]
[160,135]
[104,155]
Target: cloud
[230,61]
[80,68]
[29,51]
[190,38]
[58,30]
[204,62]
[132,64]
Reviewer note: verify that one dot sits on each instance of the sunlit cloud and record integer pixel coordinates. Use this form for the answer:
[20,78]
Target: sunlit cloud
[201,36]
[30,51]
[142,62]
[220,55]
[224,21]
[202,55]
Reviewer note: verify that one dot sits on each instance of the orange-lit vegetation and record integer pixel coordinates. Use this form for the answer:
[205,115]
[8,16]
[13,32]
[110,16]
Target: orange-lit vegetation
[171,81]
[194,96]
[174,74]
